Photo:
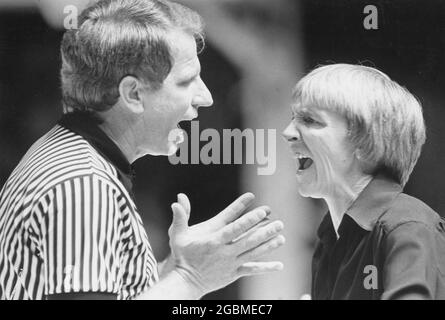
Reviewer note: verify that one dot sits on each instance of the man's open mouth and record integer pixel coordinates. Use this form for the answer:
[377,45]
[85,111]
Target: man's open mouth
[183,125]
[177,135]
[304,162]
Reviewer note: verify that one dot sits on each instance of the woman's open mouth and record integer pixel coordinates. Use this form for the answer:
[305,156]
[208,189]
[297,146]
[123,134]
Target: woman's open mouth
[304,163]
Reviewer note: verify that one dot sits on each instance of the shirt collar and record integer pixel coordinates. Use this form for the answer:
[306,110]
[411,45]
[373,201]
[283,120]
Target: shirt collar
[371,203]
[326,232]
[87,126]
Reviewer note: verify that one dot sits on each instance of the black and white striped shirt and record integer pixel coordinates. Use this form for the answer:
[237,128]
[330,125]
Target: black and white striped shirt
[67,221]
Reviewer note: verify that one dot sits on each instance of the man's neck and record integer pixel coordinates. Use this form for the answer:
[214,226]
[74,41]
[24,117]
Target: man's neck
[118,129]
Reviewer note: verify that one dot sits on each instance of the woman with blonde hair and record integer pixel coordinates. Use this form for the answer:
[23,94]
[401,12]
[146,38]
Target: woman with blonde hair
[356,136]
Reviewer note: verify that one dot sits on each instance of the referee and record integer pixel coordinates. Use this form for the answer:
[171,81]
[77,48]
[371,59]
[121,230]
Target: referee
[69,227]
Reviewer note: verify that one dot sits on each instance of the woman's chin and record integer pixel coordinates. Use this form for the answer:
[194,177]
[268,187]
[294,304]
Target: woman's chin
[309,189]
[305,191]
[305,182]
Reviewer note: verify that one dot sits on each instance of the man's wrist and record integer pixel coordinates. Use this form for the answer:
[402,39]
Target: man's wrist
[166,266]
[197,291]
[173,286]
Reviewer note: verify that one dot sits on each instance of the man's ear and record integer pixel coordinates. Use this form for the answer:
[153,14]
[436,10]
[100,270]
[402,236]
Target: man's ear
[130,93]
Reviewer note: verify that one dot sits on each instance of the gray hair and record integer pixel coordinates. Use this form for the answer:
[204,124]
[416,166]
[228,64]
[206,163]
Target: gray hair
[117,38]
[384,119]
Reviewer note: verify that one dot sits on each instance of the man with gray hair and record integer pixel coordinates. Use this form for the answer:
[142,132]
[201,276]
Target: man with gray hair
[69,227]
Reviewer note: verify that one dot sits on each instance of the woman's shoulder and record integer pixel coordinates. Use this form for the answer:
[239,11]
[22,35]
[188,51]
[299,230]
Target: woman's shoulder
[407,209]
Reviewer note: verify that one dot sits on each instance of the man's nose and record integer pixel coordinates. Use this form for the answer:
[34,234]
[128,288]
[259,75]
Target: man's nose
[203,98]
[291,134]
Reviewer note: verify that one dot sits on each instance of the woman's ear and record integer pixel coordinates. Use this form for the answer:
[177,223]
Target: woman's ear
[358,154]
[364,162]
[130,94]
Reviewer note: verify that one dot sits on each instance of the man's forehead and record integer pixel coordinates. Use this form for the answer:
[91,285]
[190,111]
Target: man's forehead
[186,68]
[184,52]
[182,44]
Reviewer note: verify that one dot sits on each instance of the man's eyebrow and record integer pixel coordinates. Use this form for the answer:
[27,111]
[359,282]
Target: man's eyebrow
[187,78]
[191,74]
[196,72]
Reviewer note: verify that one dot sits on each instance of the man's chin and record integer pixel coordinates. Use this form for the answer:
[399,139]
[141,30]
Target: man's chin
[174,139]
[168,150]
[172,148]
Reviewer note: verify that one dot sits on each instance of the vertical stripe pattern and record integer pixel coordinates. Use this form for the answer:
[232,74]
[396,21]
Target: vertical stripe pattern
[67,224]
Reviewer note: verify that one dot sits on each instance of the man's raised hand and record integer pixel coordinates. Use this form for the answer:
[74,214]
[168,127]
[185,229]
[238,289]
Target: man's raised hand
[214,253]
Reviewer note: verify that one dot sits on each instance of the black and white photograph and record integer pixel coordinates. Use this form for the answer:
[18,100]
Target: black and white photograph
[249,151]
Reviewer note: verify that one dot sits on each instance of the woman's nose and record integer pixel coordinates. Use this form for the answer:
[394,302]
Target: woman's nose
[291,134]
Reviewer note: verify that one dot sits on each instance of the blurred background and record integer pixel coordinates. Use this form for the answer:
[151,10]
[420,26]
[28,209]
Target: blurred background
[256,52]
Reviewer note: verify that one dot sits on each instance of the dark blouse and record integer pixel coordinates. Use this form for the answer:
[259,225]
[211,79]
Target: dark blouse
[390,246]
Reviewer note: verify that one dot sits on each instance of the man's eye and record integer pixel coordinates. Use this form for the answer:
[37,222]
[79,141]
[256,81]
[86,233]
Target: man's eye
[185,83]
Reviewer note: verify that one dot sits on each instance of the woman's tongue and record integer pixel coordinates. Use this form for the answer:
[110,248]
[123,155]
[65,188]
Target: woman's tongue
[305,163]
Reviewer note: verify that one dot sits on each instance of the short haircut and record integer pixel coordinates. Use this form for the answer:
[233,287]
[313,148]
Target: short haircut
[116,38]
[384,119]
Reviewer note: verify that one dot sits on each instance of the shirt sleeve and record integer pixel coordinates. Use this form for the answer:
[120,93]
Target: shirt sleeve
[410,269]
[79,237]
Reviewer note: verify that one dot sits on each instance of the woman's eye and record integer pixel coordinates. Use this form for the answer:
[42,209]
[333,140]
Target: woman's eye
[308,120]
[304,119]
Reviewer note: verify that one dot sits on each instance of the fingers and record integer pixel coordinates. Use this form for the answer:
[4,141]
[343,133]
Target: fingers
[180,219]
[254,268]
[264,248]
[260,224]
[258,235]
[242,225]
[235,209]
[267,210]
[184,201]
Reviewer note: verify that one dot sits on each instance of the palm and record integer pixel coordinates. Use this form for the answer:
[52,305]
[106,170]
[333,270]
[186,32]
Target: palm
[216,252]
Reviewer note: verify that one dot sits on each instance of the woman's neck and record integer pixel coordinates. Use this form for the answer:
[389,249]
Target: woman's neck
[343,197]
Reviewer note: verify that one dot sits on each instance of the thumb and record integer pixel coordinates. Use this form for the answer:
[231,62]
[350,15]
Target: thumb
[184,201]
[180,219]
